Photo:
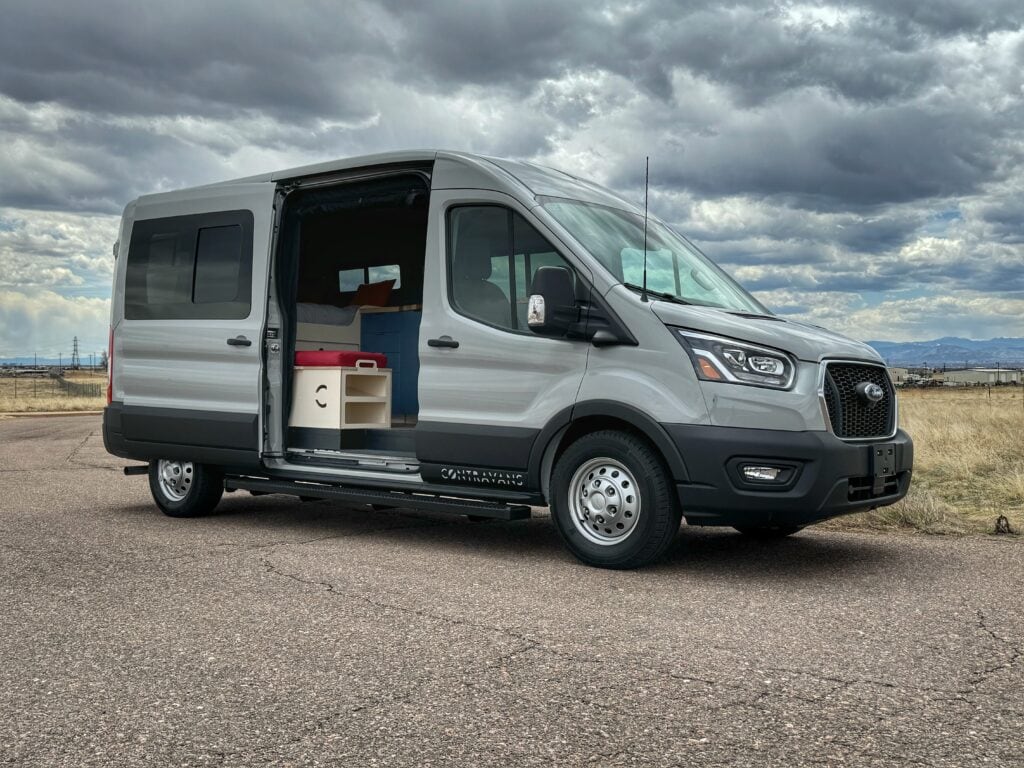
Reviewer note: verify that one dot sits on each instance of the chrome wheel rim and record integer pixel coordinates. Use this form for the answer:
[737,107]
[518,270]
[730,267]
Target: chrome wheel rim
[604,501]
[175,478]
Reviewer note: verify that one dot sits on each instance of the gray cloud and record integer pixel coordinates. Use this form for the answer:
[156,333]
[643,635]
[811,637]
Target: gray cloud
[857,148]
[864,52]
[946,17]
[817,153]
[848,106]
[120,57]
[1001,217]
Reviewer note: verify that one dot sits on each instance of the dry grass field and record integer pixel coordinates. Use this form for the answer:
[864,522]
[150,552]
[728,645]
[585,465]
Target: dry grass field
[34,395]
[968,462]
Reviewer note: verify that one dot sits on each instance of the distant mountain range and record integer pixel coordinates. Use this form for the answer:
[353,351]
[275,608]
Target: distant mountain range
[953,352]
[950,351]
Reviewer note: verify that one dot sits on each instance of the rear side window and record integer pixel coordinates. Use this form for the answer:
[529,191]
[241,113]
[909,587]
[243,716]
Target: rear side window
[190,267]
[218,265]
[349,280]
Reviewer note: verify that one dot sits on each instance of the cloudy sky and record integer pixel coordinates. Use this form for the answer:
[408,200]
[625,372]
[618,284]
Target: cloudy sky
[858,165]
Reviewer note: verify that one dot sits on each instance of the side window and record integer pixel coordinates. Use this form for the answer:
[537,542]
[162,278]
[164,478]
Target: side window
[166,276]
[190,267]
[349,280]
[531,252]
[218,265]
[385,272]
[493,254]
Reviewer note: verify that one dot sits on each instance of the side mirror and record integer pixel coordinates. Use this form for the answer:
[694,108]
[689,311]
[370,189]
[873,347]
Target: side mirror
[552,308]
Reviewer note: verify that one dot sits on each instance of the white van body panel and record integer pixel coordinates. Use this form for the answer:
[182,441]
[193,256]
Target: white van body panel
[495,376]
[655,377]
[549,182]
[124,235]
[660,381]
[802,340]
[794,410]
[187,364]
[365,161]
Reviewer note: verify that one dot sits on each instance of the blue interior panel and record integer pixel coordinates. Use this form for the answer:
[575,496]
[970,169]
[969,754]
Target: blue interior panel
[396,334]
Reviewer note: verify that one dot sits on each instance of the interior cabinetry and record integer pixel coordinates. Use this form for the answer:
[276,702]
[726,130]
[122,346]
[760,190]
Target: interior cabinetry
[341,398]
[365,398]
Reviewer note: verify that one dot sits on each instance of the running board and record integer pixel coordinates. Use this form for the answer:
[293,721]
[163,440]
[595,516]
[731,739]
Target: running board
[383,463]
[429,503]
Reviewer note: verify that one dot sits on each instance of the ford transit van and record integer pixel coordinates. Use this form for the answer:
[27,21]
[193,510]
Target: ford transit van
[444,331]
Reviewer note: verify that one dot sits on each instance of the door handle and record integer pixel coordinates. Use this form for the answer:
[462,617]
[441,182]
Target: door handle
[444,341]
[239,341]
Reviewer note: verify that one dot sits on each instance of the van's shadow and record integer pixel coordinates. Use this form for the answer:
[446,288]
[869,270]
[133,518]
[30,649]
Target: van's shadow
[807,556]
[714,552]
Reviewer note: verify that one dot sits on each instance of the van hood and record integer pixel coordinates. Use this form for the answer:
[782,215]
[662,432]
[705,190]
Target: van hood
[802,340]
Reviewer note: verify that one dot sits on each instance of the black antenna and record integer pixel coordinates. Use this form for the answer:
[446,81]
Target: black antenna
[647,180]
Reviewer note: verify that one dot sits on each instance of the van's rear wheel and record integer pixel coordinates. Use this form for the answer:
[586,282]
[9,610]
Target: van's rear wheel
[613,502]
[185,489]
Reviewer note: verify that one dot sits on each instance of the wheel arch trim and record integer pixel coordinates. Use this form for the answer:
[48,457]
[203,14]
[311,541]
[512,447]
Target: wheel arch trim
[552,438]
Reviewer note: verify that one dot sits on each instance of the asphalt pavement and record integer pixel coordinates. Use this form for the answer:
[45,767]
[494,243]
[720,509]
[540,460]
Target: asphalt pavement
[278,632]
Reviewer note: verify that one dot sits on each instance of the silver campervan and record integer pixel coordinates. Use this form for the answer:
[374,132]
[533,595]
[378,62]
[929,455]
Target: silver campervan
[443,331]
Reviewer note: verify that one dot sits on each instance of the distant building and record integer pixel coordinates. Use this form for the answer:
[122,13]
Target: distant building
[982,376]
[899,375]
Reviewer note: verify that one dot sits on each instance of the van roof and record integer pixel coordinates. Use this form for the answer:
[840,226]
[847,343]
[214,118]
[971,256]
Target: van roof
[505,175]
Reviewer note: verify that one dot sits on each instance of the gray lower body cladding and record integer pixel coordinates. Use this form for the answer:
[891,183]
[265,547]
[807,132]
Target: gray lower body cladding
[827,476]
[143,433]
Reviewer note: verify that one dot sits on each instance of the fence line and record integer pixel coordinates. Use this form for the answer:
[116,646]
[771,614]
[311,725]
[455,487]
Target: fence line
[55,385]
[80,389]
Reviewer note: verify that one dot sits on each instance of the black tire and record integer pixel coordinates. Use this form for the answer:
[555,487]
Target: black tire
[658,514]
[768,532]
[200,488]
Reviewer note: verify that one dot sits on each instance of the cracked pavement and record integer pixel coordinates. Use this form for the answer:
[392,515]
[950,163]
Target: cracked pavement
[286,633]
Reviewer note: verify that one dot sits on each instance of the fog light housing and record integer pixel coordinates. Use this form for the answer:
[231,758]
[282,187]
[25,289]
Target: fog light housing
[763,474]
[758,473]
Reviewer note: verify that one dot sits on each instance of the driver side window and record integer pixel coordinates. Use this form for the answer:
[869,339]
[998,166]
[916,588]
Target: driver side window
[493,254]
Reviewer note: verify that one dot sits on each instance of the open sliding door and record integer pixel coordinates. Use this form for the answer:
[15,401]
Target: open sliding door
[188,344]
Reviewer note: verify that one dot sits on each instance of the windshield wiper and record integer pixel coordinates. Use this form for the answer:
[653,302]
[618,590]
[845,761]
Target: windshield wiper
[659,294]
[755,315]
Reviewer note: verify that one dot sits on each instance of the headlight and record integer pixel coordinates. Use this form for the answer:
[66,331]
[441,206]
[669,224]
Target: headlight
[719,359]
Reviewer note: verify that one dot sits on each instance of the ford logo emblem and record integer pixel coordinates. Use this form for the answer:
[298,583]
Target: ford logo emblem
[870,392]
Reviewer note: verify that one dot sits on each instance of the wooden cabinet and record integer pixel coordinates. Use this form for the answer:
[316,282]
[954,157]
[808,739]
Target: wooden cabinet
[365,398]
[341,398]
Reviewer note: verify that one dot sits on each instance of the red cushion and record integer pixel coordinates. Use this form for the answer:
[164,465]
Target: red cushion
[374,294]
[338,359]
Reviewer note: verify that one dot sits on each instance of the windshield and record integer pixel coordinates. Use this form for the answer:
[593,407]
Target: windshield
[674,266]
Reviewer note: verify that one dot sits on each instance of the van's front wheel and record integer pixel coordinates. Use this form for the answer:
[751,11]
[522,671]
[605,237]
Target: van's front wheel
[185,489]
[613,502]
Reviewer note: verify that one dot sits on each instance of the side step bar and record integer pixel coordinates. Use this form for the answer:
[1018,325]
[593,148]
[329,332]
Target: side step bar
[384,498]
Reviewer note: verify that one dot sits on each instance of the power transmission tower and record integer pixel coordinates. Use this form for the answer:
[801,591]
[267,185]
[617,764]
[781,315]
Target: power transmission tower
[76,362]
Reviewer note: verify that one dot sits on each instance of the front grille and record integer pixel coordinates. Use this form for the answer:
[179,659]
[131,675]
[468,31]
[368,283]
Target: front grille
[852,416]
[862,488]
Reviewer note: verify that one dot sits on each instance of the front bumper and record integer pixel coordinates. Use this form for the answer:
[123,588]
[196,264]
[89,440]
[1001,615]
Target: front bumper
[831,477]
